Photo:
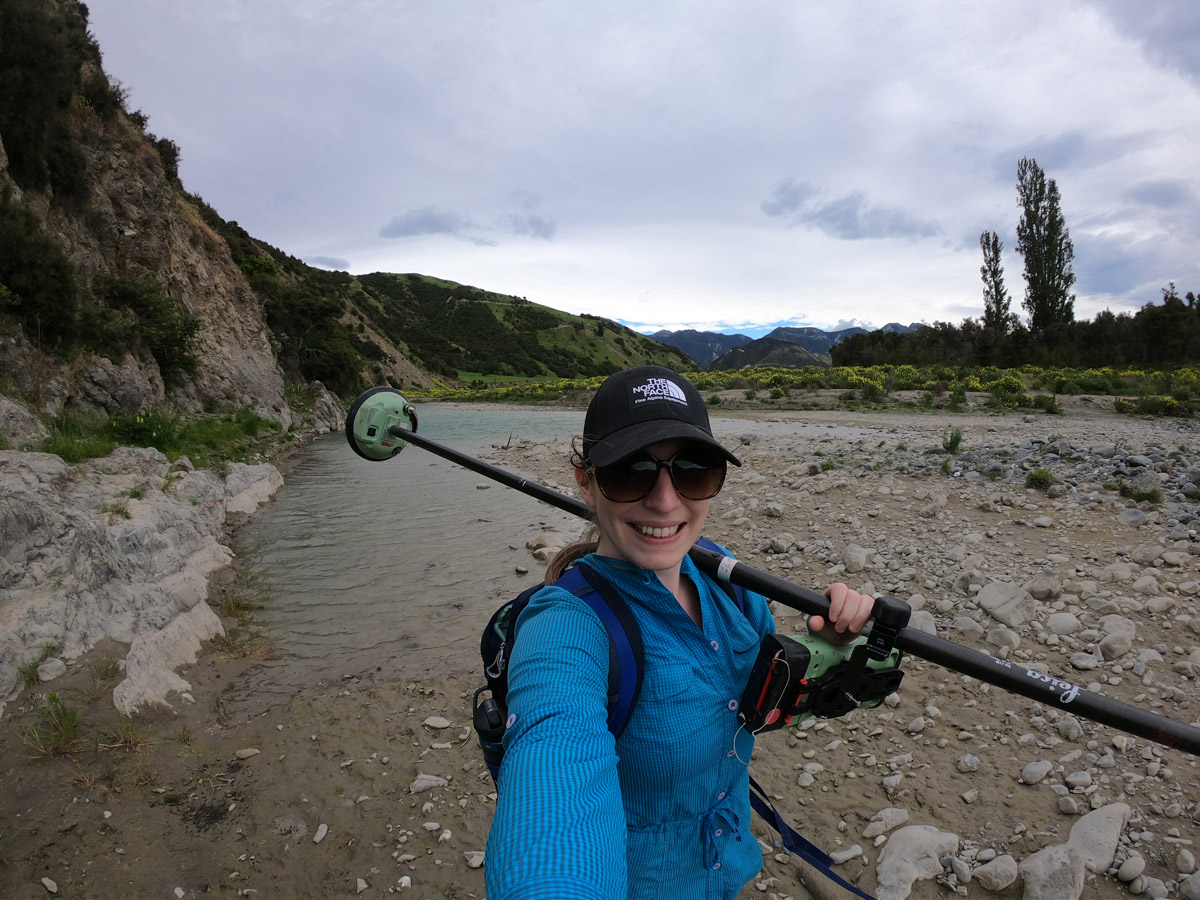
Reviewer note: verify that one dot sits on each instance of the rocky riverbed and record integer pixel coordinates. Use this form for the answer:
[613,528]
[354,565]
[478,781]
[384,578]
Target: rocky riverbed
[368,786]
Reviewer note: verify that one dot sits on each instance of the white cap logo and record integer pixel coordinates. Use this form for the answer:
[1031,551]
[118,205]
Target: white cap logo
[659,389]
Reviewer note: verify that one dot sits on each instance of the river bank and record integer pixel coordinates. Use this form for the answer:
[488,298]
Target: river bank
[219,796]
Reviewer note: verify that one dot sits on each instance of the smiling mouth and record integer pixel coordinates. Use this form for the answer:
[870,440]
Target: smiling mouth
[658,532]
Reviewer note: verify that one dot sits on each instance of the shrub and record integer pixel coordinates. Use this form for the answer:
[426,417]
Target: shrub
[153,319]
[1039,479]
[1151,406]
[714,400]
[958,399]
[871,392]
[749,393]
[1047,403]
[952,440]
[39,283]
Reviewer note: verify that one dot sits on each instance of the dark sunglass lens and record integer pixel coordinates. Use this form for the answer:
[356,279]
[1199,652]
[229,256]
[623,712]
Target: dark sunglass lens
[698,475]
[628,481]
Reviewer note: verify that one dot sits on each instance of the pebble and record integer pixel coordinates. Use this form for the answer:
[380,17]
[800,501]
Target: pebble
[50,885]
[1131,868]
[319,836]
[424,782]
[247,752]
[885,820]
[1036,771]
[844,856]
[360,885]
[474,858]
[1185,862]
[437,723]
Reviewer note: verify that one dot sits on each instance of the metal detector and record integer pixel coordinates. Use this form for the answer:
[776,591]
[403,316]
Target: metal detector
[381,422]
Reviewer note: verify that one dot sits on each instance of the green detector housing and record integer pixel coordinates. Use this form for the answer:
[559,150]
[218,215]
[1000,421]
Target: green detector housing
[370,421]
[796,678]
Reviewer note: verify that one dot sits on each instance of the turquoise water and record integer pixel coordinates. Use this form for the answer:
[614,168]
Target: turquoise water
[395,566]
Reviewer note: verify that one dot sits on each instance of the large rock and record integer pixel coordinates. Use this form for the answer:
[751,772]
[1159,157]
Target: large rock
[113,549]
[154,656]
[914,853]
[1053,873]
[125,389]
[249,487]
[1095,836]
[1009,604]
[20,426]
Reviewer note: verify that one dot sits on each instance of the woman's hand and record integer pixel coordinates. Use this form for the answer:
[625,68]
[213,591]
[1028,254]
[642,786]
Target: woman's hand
[848,613]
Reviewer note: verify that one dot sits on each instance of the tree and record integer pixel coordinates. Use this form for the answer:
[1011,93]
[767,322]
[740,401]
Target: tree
[1043,240]
[997,315]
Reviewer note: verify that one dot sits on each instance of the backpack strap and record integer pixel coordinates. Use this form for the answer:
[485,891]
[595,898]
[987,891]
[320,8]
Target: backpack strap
[796,843]
[626,655]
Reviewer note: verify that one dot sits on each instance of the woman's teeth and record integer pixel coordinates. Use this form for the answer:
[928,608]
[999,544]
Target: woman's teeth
[658,532]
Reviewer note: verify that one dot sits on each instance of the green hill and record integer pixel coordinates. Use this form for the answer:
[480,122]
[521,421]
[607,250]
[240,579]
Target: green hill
[768,351]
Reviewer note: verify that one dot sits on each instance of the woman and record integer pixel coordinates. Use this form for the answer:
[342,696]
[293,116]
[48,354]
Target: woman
[663,811]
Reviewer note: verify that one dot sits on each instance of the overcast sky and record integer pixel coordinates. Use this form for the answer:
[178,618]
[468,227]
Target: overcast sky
[681,164]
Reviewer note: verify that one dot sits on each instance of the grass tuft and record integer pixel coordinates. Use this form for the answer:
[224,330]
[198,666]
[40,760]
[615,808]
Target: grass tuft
[952,440]
[57,731]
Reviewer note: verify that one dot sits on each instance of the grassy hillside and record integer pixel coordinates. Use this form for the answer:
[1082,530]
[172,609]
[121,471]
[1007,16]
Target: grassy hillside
[770,353]
[466,333]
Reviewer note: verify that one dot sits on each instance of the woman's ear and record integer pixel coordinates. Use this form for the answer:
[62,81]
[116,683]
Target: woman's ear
[585,487]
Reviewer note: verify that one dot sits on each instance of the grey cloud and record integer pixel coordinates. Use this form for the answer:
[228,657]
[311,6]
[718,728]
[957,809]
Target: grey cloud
[427,220]
[1164,193]
[850,217]
[787,197]
[1066,151]
[329,262]
[1168,31]
[1107,265]
[532,225]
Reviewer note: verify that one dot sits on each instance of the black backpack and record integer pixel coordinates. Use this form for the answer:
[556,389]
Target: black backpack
[626,658]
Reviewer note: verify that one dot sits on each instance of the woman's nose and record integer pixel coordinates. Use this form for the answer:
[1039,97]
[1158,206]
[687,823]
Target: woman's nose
[663,495]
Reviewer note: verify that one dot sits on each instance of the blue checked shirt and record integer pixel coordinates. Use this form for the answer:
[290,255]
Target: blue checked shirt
[662,813]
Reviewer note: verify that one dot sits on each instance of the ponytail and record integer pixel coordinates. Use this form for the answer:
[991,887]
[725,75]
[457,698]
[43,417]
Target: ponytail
[587,543]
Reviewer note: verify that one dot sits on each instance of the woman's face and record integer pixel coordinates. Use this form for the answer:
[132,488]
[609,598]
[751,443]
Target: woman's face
[652,533]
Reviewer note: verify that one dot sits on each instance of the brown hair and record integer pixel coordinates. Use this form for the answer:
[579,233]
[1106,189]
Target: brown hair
[587,542]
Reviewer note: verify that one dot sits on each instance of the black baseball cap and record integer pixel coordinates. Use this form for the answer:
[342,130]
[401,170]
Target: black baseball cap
[642,406]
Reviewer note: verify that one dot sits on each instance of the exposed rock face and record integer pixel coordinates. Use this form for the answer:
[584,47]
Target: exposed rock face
[118,548]
[133,223]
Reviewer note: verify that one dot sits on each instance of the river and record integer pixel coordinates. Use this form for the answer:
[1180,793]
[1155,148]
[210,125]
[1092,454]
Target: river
[394,566]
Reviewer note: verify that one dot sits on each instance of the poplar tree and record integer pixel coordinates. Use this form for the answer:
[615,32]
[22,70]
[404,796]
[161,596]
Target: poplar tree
[997,315]
[1044,242]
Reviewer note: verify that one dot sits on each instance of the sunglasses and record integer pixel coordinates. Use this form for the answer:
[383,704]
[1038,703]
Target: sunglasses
[696,472]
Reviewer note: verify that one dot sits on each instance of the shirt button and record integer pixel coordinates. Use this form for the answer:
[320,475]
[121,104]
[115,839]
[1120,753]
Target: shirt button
[716,646]
[719,832]
[721,796]
[716,866]
[729,755]
[732,704]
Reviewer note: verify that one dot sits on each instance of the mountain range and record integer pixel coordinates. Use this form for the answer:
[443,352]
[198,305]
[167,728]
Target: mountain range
[709,348]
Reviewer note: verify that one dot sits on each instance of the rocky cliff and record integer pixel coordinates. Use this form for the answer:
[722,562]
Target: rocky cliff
[120,547]
[132,223]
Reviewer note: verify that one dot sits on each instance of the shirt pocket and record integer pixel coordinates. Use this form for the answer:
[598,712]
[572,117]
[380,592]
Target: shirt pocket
[670,741]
